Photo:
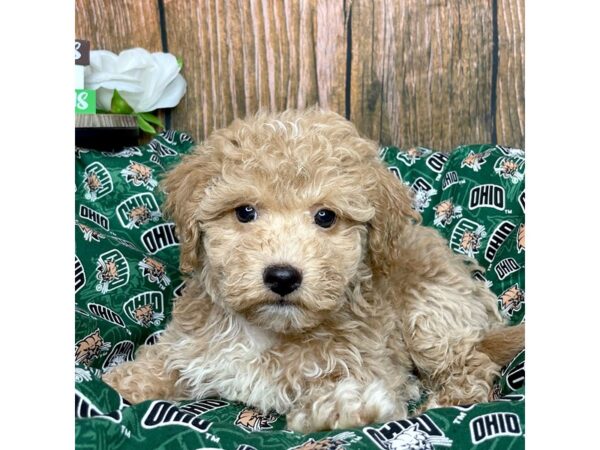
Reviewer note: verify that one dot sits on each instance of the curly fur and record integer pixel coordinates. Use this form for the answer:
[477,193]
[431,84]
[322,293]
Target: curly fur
[385,308]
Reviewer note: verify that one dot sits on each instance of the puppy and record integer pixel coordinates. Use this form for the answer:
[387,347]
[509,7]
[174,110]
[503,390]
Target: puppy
[313,290]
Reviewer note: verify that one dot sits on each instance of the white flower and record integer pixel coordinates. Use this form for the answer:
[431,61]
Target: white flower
[146,81]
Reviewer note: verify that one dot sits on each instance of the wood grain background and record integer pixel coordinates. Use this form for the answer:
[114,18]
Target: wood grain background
[435,73]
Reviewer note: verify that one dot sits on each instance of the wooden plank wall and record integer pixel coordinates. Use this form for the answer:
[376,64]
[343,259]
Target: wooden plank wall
[435,73]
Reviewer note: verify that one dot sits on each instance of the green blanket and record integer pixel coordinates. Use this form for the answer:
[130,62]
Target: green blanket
[126,278]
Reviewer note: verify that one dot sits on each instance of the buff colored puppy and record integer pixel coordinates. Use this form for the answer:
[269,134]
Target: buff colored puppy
[313,290]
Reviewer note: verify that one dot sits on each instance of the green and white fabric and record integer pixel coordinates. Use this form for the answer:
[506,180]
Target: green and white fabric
[126,279]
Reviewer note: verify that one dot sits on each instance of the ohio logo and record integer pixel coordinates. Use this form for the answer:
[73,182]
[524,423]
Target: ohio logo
[112,271]
[466,237]
[105,313]
[522,201]
[488,196]
[475,160]
[169,136]
[146,309]
[512,152]
[155,271]
[436,162]
[96,181]
[445,212]
[412,155]
[139,175]
[183,137]
[497,238]
[94,217]
[521,238]
[84,408]
[125,153]
[178,291]
[396,172]
[449,179]
[79,275]
[492,425]
[161,149]
[125,243]
[204,406]
[159,237]
[153,338]
[156,160]
[511,300]
[251,419]
[505,267]
[422,193]
[515,379]
[336,442]
[162,413]
[510,169]
[138,210]
[90,347]
[121,352]
[414,433]
[89,234]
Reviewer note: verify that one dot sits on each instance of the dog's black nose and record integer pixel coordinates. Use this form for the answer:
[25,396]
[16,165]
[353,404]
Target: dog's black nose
[282,279]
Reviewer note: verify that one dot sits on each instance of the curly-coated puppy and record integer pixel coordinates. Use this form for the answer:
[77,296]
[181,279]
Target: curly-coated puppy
[313,291]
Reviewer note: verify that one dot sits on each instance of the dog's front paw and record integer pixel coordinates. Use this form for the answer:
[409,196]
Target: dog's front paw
[131,386]
[308,420]
[117,379]
[350,405]
[478,392]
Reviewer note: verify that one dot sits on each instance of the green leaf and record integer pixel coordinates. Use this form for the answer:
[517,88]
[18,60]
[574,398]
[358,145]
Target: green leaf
[179,62]
[145,126]
[151,118]
[118,105]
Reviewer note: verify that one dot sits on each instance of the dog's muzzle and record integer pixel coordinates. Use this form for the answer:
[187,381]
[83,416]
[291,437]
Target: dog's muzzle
[282,279]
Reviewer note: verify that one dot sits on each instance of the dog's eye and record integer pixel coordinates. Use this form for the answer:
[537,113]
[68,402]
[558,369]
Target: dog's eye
[246,213]
[325,218]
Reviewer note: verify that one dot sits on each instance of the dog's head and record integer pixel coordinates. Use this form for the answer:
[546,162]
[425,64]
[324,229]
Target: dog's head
[284,217]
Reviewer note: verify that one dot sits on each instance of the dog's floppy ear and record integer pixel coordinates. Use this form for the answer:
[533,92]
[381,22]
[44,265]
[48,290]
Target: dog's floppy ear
[184,186]
[393,213]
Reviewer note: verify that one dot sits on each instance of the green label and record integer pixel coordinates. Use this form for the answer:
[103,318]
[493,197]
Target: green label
[85,101]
